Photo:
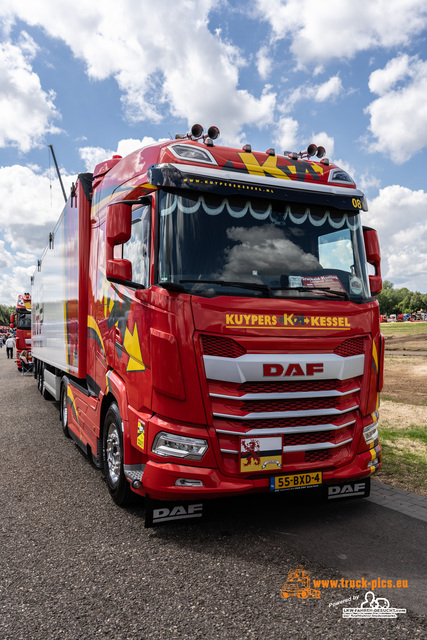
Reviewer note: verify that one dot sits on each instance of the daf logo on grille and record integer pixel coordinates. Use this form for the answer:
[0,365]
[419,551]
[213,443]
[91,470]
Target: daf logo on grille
[293,369]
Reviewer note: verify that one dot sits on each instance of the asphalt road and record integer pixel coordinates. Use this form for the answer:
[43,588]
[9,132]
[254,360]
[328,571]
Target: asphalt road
[75,566]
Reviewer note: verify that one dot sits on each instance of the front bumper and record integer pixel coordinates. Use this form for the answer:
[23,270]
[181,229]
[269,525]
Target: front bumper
[158,479]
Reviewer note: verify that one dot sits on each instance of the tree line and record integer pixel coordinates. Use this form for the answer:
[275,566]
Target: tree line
[5,313]
[400,300]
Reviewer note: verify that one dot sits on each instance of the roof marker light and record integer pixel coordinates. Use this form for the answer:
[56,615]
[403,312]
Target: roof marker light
[271,152]
[247,148]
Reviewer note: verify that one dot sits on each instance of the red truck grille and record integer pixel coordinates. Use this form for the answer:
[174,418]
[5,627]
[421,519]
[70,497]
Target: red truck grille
[316,419]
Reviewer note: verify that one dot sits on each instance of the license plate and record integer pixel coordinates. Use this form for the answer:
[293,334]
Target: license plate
[296,481]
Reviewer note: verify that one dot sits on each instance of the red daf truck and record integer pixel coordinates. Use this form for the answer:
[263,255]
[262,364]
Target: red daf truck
[21,321]
[206,319]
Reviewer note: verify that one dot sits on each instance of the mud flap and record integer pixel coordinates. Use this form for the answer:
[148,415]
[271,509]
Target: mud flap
[351,489]
[161,512]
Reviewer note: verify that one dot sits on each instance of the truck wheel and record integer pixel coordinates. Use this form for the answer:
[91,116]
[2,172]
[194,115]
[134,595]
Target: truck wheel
[63,412]
[112,450]
[39,376]
[41,385]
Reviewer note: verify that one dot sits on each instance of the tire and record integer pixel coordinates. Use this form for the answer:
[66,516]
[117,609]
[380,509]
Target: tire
[112,452]
[41,385]
[63,412]
[39,376]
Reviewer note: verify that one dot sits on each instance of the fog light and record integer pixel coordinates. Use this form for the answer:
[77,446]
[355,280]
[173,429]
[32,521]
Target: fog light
[136,484]
[373,463]
[188,482]
[171,444]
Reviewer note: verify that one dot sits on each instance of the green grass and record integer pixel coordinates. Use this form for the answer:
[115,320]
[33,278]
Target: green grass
[417,434]
[403,328]
[405,457]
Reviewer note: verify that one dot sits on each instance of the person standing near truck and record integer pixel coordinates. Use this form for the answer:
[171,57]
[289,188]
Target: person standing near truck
[10,343]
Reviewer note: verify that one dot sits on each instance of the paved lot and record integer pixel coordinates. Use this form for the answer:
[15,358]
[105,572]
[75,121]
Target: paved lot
[75,566]
[399,500]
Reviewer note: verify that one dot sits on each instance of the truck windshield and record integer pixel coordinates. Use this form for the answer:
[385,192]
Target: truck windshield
[24,321]
[214,245]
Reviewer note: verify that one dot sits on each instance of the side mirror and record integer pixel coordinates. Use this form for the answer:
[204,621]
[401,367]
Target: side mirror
[119,270]
[375,284]
[12,320]
[119,225]
[373,256]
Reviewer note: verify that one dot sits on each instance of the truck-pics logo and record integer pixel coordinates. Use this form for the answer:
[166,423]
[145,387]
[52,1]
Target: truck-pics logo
[298,584]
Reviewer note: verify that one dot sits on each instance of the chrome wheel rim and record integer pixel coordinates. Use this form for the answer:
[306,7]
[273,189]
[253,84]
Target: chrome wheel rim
[113,453]
[64,409]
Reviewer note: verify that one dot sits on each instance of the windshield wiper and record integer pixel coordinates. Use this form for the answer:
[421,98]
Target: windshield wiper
[178,288]
[243,285]
[327,290]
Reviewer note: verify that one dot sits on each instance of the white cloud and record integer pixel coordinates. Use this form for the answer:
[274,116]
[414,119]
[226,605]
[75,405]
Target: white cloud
[39,206]
[6,258]
[27,111]
[382,80]
[286,134]
[369,182]
[398,214]
[264,62]
[13,283]
[322,139]
[323,92]
[92,156]
[163,57]
[320,32]
[328,90]
[398,118]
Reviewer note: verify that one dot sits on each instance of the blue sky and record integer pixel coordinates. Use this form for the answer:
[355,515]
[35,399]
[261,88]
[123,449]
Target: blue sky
[98,78]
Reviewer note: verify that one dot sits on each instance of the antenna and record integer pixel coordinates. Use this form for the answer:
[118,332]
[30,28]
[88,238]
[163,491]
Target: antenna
[57,171]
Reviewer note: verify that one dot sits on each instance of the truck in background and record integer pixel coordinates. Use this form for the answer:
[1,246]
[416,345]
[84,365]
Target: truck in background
[20,321]
[205,317]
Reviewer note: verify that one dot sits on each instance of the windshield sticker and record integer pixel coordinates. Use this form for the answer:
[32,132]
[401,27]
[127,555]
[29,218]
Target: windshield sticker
[355,285]
[329,281]
[287,320]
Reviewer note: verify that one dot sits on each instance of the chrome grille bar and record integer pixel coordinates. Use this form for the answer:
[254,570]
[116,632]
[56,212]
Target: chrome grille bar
[285,430]
[275,415]
[287,396]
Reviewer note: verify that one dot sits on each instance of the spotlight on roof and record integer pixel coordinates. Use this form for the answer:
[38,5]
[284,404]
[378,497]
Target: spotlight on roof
[213,133]
[311,150]
[197,130]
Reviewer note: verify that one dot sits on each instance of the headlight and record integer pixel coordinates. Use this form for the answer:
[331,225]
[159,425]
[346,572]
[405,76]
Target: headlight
[370,433]
[170,444]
